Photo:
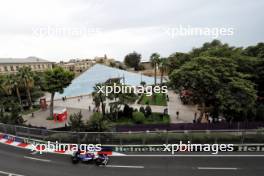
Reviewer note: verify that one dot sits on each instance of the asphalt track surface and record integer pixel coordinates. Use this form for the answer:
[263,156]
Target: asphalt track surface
[20,162]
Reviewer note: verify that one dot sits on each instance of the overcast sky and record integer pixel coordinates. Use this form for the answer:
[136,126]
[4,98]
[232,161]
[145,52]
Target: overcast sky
[65,29]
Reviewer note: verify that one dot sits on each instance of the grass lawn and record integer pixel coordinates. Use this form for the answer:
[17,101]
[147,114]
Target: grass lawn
[160,99]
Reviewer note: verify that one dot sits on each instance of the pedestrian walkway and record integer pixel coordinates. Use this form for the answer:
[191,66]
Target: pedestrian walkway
[40,118]
[186,112]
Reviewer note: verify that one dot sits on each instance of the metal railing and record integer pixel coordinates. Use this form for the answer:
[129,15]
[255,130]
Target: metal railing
[138,138]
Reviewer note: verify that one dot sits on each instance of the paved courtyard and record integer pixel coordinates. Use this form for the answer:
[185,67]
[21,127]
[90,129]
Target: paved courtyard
[186,112]
[40,118]
[75,104]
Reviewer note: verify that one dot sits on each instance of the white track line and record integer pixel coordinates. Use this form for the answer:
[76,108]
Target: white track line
[10,174]
[34,153]
[134,167]
[217,168]
[37,159]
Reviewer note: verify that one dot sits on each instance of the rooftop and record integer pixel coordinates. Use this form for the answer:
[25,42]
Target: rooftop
[22,60]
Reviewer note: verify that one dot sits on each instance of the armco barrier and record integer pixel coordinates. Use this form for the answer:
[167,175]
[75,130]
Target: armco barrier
[117,150]
[29,144]
[191,126]
[137,138]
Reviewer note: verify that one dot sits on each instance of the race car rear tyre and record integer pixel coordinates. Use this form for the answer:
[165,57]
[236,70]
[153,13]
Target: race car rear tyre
[75,160]
[98,162]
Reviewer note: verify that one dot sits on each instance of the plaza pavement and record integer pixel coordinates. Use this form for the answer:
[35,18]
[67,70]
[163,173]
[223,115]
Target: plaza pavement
[186,112]
[40,116]
[75,104]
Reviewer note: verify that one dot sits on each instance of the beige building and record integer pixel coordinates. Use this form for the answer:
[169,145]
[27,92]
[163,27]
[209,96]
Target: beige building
[147,65]
[12,65]
[77,65]
[81,65]
[105,60]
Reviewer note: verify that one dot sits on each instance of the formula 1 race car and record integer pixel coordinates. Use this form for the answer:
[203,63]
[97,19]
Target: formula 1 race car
[88,157]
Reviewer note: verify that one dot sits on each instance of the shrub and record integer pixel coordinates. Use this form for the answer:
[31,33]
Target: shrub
[260,112]
[127,111]
[98,123]
[138,117]
[62,137]
[50,118]
[76,122]
[141,109]
[141,67]
[148,111]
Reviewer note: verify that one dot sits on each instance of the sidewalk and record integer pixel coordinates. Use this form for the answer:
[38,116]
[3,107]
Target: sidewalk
[186,112]
[40,118]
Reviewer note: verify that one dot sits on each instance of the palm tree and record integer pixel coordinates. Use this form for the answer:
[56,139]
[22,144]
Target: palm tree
[7,84]
[26,76]
[155,60]
[99,98]
[10,83]
[163,68]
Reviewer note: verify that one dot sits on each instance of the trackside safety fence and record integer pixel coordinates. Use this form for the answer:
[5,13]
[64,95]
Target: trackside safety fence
[138,138]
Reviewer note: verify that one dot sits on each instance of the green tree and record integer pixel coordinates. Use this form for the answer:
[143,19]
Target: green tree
[237,99]
[99,97]
[26,76]
[215,49]
[56,80]
[114,109]
[3,94]
[76,122]
[260,78]
[255,51]
[176,60]
[141,109]
[98,123]
[117,99]
[254,65]
[10,111]
[148,111]
[133,60]
[163,66]
[10,83]
[127,111]
[155,61]
[15,117]
[215,81]
[260,112]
